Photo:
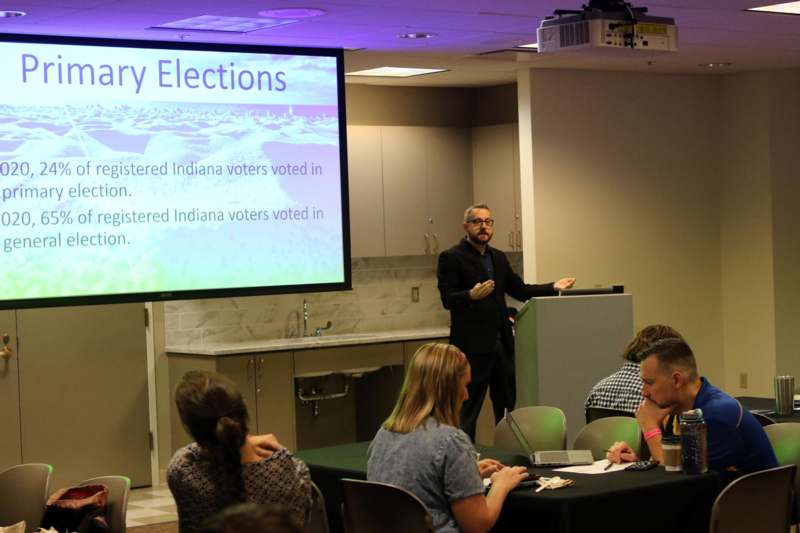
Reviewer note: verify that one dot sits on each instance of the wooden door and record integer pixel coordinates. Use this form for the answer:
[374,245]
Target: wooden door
[83,391]
[405,213]
[448,185]
[10,450]
[365,176]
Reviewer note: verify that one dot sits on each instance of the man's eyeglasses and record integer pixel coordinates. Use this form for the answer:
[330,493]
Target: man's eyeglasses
[489,222]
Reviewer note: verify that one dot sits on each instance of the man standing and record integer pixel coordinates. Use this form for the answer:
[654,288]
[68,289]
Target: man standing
[473,281]
[672,385]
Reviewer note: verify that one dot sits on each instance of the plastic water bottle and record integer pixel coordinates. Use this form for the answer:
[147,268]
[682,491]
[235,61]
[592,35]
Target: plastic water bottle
[694,442]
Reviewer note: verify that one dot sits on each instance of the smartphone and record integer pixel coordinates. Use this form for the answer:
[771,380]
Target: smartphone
[640,466]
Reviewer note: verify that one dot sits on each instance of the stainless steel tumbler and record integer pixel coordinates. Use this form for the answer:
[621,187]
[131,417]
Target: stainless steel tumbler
[784,395]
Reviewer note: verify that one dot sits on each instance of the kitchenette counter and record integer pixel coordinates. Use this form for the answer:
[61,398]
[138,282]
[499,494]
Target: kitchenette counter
[307,343]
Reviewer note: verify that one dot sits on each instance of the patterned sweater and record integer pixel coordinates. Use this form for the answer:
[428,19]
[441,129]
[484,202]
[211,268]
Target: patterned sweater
[280,478]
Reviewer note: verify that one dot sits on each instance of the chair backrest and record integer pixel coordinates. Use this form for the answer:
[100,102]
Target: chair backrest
[23,494]
[318,519]
[764,420]
[785,440]
[761,501]
[118,489]
[595,413]
[370,506]
[601,434]
[544,427]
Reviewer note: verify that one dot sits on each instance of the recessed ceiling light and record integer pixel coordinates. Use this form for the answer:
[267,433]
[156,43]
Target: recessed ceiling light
[718,64]
[418,35]
[224,24]
[396,72]
[10,14]
[293,13]
[787,8]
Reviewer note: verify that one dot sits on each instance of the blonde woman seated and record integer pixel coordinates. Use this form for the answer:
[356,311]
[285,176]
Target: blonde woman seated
[421,448]
[226,465]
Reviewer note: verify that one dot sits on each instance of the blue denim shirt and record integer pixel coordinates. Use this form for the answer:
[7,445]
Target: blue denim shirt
[435,462]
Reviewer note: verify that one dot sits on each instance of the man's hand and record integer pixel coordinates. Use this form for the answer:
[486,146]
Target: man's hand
[264,445]
[620,452]
[649,415]
[564,283]
[481,290]
[487,467]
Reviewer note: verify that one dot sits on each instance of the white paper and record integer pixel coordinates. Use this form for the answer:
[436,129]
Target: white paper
[598,467]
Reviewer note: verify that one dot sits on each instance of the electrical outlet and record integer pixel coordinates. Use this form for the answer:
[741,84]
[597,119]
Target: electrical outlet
[415,294]
[742,380]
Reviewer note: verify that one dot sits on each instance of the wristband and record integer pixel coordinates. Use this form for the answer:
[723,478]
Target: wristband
[652,433]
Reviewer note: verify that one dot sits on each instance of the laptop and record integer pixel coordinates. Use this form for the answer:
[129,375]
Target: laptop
[548,458]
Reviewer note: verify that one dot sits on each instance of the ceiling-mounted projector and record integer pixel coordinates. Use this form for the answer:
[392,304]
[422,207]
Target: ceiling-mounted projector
[607,25]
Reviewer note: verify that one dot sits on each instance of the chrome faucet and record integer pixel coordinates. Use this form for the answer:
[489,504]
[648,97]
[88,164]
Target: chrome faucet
[318,331]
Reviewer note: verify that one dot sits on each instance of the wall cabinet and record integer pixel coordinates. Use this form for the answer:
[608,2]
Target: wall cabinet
[408,188]
[365,175]
[495,166]
[427,184]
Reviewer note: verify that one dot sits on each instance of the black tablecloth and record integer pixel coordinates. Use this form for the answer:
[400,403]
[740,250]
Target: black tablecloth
[619,502]
[767,406]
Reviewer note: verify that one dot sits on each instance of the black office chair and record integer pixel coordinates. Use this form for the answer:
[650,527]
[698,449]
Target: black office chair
[761,501]
[318,518]
[370,507]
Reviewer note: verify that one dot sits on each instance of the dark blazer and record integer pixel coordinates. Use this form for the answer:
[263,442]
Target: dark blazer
[475,324]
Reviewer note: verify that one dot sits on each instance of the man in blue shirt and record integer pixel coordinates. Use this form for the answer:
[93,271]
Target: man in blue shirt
[672,385]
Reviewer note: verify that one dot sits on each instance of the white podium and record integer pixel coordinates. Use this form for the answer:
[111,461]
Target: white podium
[566,344]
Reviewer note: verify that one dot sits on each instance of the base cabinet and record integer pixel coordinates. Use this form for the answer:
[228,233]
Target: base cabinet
[265,381]
[357,387]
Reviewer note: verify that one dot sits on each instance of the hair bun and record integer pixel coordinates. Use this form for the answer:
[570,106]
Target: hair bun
[229,431]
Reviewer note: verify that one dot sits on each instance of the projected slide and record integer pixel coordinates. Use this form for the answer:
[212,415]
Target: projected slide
[143,170]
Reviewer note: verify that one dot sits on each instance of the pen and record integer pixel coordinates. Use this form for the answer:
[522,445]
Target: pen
[610,464]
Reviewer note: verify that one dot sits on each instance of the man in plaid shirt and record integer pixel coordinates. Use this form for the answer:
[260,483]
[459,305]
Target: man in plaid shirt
[622,390]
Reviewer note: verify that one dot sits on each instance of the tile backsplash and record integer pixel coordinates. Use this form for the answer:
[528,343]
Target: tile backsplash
[380,301]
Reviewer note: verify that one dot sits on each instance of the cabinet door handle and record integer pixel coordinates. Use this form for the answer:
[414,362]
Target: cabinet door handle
[6,352]
[259,368]
[427,244]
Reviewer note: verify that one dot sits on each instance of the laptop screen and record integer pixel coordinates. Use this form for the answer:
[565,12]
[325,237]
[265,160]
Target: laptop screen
[517,431]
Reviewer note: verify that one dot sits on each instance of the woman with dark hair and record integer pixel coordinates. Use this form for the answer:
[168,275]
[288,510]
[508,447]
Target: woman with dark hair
[226,465]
